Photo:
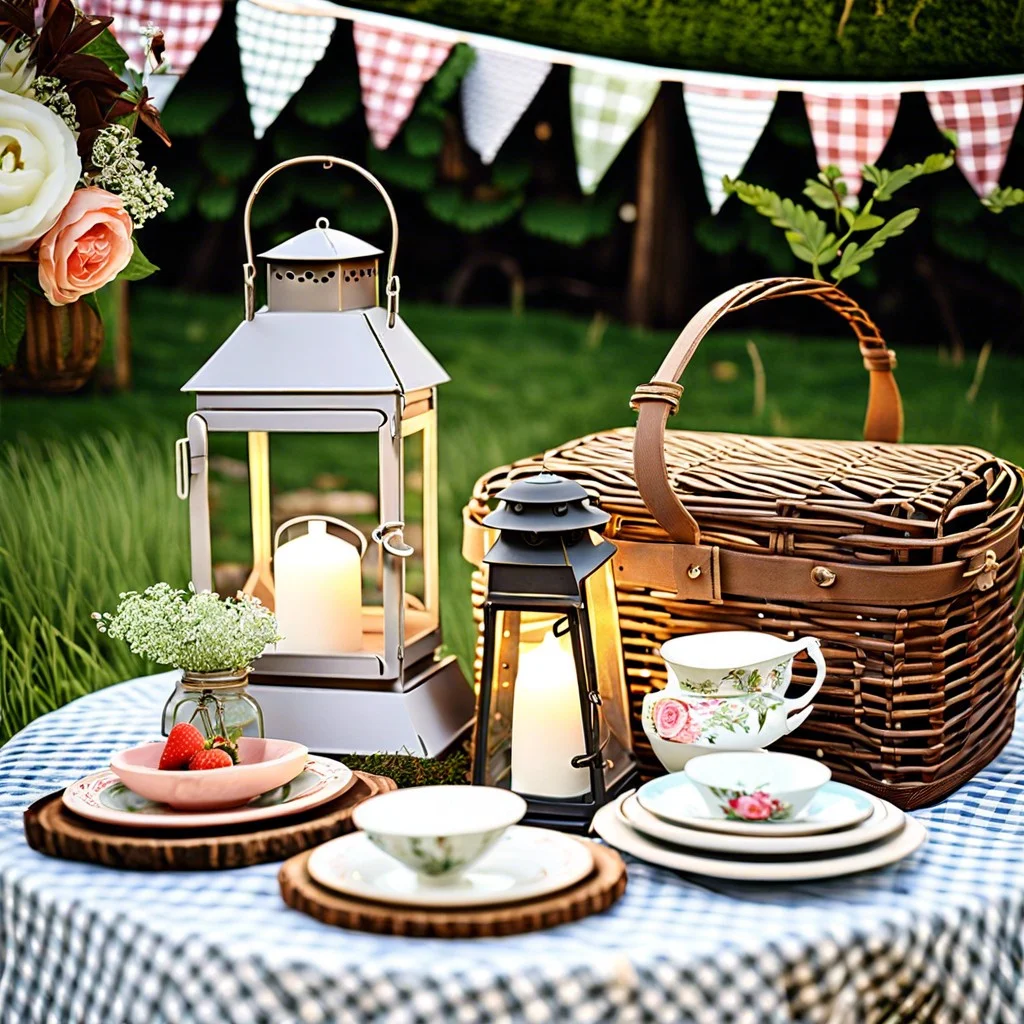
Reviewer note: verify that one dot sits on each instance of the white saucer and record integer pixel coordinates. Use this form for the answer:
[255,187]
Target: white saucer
[525,863]
[103,797]
[610,826]
[675,799]
[884,820]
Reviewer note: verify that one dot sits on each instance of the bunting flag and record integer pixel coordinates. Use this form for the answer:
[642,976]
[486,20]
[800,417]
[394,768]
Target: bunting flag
[726,125]
[605,113]
[496,91]
[983,120]
[186,26]
[849,131]
[392,69]
[277,51]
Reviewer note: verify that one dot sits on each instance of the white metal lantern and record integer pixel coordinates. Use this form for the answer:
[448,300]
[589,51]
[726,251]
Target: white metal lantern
[323,357]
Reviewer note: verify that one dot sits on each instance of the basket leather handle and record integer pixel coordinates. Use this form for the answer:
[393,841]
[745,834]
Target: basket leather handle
[659,399]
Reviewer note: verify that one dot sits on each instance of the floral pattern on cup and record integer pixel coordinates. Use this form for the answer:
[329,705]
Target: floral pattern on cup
[682,721]
[436,857]
[742,680]
[754,806]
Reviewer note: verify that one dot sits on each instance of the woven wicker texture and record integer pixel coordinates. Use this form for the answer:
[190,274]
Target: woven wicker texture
[921,677]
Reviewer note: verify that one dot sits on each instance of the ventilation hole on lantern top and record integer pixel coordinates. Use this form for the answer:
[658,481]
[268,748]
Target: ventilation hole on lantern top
[290,276]
[330,273]
[277,274]
[309,275]
[323,280]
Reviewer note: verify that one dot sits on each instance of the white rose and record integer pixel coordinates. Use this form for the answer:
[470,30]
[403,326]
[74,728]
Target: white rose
[16,72]
[39,169]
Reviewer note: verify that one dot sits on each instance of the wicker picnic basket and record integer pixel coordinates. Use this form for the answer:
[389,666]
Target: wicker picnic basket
[904,560]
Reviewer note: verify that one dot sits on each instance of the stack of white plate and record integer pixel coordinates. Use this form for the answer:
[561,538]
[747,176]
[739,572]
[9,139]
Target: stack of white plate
[841,832]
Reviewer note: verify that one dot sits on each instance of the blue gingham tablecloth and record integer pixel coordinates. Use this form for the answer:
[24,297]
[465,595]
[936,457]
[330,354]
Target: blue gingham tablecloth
[935,938]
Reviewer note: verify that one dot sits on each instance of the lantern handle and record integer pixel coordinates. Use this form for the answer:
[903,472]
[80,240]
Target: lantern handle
[392,287]
[361,544]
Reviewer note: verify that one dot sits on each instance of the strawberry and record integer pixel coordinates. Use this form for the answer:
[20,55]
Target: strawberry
[182,743]
[215,758]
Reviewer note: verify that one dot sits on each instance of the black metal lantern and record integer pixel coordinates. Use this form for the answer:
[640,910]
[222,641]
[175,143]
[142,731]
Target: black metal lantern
[551,723]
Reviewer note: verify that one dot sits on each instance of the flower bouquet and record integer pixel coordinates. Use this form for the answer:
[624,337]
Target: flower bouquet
[73,188]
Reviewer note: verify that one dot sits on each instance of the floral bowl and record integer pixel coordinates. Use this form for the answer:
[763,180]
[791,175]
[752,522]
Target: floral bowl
[757,786]
[439,831]
[263,765]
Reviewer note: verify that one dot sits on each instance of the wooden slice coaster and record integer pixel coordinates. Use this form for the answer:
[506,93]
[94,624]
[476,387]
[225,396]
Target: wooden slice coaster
[593,894]
[52,829]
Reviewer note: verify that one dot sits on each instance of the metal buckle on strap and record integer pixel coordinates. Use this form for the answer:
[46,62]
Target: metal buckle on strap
[984,575]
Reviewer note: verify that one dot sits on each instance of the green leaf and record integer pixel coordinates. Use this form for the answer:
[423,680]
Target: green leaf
[109,50]
[138,266]
[216,201]
[717,235]
[423,137]
[821,195]
[854,255]
[361,218]
[888,182]
[807,234]
[1000,199]
[13,315]
[570,222]
[328,102]
[193,110]
[231,158]
[397,166]
[866,221]
[471,215]
[443,85]
[511,175]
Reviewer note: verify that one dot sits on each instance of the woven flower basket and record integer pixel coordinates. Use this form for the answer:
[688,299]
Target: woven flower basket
[60,349]
[904,560]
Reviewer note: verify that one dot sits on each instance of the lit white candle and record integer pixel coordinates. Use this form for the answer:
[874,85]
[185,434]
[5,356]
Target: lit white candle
[318,593]
[547,725]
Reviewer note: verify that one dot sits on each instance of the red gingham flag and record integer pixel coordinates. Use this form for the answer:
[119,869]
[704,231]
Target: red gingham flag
[983,120]
[850,130]
[186,25]
[392,69]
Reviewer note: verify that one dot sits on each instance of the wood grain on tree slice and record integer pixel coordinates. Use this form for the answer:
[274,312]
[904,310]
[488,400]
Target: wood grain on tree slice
[52,829]
[594,894]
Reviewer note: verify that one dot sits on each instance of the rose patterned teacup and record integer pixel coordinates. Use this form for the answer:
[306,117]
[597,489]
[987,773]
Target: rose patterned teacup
[726,692]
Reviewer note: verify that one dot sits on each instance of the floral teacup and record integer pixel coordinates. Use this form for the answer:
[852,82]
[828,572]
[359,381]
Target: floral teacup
[726,692]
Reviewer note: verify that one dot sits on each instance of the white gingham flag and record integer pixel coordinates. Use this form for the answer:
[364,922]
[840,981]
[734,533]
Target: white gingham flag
[984,120]
[496,91]
[277,52]
[605,113]
[849,131]
[186,25]
[726,125]
[392,69]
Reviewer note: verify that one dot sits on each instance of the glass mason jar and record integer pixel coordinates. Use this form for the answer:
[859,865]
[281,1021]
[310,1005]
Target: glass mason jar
[216,703]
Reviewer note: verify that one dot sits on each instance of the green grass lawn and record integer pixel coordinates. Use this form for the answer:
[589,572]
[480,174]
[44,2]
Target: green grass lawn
[88,490]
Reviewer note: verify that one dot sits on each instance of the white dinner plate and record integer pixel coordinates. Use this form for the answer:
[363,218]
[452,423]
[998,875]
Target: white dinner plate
[103,797]
[525,863]
[609,825]
[884,820]
[675,799]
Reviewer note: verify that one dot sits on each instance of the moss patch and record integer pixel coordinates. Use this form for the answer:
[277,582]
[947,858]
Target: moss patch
[882,38]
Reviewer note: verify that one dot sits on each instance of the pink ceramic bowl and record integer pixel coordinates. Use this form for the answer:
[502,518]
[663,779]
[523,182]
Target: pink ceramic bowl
[263,765]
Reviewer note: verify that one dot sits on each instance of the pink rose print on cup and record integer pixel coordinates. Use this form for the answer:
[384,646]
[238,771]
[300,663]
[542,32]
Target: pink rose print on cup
[756,806]
[674,720]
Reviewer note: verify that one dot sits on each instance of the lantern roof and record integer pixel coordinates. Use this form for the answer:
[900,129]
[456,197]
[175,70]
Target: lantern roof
[321,243]
[545,503]
[282,352]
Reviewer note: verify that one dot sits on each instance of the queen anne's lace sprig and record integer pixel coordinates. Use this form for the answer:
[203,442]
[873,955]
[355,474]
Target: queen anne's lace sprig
[51,93]
[198,632]
[115,154]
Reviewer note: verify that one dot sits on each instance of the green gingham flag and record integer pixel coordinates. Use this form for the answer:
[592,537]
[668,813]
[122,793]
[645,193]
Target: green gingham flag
[605,113]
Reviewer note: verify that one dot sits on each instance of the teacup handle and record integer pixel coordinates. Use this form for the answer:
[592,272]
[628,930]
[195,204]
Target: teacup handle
[812,646]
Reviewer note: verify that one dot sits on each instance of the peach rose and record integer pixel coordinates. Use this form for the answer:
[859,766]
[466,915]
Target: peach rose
[90,244]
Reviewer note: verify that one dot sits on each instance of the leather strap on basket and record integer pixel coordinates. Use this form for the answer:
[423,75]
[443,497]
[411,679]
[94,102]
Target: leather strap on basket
[659,399]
